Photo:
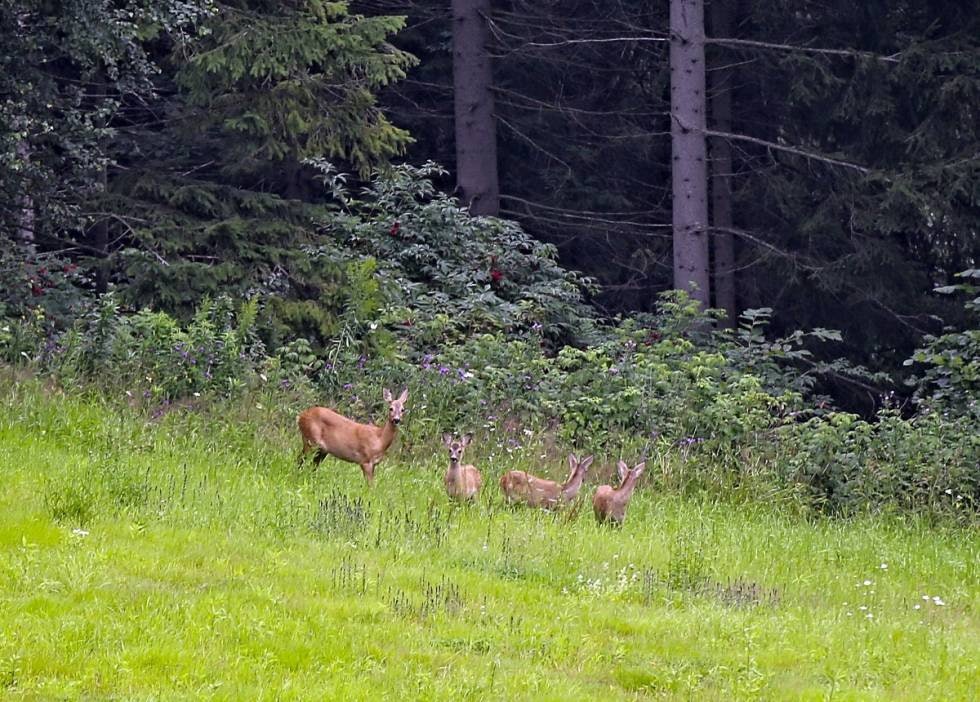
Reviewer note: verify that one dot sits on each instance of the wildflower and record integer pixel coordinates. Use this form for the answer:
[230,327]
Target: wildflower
[869,615]
[918,606]
[884,566]
[496,275]
[938,601]
[443,370]
[81,533]
[867,583]
[395,228]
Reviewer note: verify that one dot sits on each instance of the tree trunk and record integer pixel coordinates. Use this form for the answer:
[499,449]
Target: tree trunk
[689,171]
[721,168]
[476,136]
[99,234]
[24,232]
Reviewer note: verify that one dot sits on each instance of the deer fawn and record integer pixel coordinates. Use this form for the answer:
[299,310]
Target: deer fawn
[521,486]
[462,482]
[330,433]
[610,503]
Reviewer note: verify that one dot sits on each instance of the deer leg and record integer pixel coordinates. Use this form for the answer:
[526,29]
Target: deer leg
[302,452]
[368,470]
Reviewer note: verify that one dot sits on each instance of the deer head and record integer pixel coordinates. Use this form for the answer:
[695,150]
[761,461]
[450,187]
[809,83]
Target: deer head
[396,406]
[456,446]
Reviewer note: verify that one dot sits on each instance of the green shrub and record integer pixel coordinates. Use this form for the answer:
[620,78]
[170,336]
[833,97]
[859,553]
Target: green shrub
[846,464]
[951,379]
[217,351]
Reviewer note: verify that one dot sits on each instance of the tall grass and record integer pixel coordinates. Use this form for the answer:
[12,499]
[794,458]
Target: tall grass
[187,556]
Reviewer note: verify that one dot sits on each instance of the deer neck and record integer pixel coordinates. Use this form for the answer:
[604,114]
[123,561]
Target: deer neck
[388,431]
[629,482]
[570,489]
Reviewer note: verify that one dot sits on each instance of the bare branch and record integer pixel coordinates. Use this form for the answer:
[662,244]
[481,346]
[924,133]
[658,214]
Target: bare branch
[849,53]
[609,40]
[788,149]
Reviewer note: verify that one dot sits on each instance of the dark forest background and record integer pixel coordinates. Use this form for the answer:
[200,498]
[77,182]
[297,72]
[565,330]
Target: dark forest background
[824,155]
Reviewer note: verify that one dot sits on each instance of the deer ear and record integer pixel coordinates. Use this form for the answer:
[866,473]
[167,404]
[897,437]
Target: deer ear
[622,469]
[586,462]
[467,438]
[403,396]
[572,461]
[447,439]
[386,394]
[638,469]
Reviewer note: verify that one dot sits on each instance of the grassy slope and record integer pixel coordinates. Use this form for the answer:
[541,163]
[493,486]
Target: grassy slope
[213,568]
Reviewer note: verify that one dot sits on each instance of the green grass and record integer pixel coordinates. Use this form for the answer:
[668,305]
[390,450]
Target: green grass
[189,558]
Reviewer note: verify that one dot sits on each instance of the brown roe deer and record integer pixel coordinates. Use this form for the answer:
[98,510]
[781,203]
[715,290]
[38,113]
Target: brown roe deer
[610,503]
[328,433]
[521,486]
[462,481]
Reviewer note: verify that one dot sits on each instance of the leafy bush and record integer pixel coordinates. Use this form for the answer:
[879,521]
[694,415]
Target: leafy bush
[216,351]
[449,276]
[845,464]
[951,379]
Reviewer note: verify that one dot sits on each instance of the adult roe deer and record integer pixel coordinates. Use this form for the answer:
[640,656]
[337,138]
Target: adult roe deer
[463,482]
[610,503]
[330,433]
[521,486]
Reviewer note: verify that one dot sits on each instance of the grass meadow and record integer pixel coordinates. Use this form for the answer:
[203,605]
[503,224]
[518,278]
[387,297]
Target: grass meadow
[187,557]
